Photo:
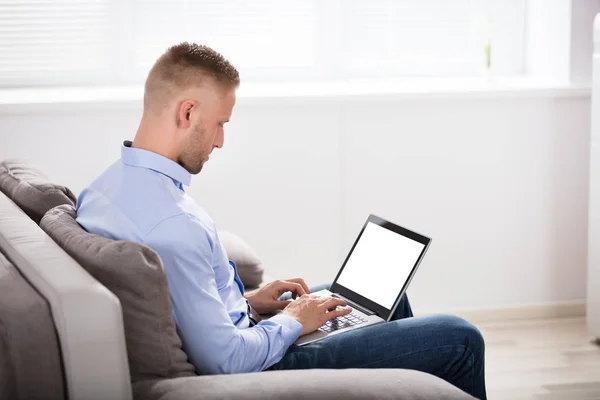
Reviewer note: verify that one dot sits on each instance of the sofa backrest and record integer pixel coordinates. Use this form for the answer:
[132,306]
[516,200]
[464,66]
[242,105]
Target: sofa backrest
[86,315]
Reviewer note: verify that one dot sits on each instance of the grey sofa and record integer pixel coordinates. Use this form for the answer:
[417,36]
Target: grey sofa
[70,330]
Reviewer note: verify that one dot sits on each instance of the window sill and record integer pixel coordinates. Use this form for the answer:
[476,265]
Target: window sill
[27,100]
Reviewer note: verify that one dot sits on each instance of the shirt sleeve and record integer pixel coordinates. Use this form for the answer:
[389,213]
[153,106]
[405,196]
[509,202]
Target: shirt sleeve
[210,339]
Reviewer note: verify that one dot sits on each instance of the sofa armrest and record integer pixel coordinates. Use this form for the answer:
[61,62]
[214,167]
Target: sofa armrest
[304,384]
[87,316]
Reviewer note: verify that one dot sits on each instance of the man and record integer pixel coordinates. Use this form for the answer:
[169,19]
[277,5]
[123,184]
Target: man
[189,96]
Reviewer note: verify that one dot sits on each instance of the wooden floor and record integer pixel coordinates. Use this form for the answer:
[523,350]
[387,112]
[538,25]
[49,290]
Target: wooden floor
[545,359]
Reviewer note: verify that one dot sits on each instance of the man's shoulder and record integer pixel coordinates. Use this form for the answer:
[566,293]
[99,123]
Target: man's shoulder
[147,199]
[185,218]
[120,177]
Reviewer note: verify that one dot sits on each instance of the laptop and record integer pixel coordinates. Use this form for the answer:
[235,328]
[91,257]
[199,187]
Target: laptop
[374,276]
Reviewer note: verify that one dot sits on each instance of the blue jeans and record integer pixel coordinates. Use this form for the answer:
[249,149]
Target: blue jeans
[445,346]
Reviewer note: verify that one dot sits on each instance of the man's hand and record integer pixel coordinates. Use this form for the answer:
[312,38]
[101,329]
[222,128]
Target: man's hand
[265,299]
[312,312]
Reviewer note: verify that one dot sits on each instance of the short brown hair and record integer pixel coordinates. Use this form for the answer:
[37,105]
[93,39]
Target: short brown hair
[183,66]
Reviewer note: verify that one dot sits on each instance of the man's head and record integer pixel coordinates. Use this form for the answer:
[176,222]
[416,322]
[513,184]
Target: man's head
[188,96]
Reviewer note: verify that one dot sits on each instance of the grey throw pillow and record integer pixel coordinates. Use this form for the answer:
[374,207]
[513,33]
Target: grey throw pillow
[29,188]
[134,273]
[249,265]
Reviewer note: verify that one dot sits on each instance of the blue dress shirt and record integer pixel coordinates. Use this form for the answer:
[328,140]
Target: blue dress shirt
[141,198]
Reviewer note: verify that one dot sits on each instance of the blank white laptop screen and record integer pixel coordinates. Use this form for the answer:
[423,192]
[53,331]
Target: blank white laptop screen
[380,264]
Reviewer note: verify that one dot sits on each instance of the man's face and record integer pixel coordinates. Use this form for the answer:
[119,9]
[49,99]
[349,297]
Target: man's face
[206,126]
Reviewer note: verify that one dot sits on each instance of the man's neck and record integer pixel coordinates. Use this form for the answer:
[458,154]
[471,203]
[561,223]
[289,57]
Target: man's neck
[150,139]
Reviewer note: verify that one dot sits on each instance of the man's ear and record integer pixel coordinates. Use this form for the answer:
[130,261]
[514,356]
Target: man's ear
[184,114]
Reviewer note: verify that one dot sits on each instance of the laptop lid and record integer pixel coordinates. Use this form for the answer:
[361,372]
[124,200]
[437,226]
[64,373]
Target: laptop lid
[380,266]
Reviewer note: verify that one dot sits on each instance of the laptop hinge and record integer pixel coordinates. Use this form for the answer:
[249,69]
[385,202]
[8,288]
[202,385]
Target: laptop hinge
[353,304]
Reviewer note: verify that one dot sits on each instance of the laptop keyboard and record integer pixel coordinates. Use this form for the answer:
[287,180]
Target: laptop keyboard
[342,322]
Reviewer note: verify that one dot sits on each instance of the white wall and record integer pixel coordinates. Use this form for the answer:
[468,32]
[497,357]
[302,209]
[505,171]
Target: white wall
[581,44]
[499,183]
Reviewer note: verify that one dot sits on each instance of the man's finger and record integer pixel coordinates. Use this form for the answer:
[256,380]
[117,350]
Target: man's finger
[332,302]
[338,313]
[301,282]
[287,286]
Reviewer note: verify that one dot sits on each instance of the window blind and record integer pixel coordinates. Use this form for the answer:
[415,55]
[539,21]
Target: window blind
[96,42]
[48,42]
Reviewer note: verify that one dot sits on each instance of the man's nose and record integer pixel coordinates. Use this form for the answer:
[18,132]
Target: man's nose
[219,140]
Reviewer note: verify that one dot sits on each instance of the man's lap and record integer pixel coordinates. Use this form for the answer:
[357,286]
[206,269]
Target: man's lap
[405,342]
[443,345]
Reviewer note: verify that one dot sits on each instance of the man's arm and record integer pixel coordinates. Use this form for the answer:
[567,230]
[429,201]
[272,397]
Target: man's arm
[213,343]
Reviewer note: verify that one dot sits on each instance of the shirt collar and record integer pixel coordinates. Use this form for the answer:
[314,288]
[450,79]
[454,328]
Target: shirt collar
[146,159]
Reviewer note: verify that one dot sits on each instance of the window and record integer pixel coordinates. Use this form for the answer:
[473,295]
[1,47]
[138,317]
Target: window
[262,38]
[431,37]
[54,42]
[108,42]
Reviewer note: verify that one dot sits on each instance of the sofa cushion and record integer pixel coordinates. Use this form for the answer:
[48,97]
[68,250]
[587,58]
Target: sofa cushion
[305,384]
[134,273]
[29,188]
[249,265]
[30,364]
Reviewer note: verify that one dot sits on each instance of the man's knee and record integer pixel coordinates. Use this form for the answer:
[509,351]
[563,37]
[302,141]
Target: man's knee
[463,331]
